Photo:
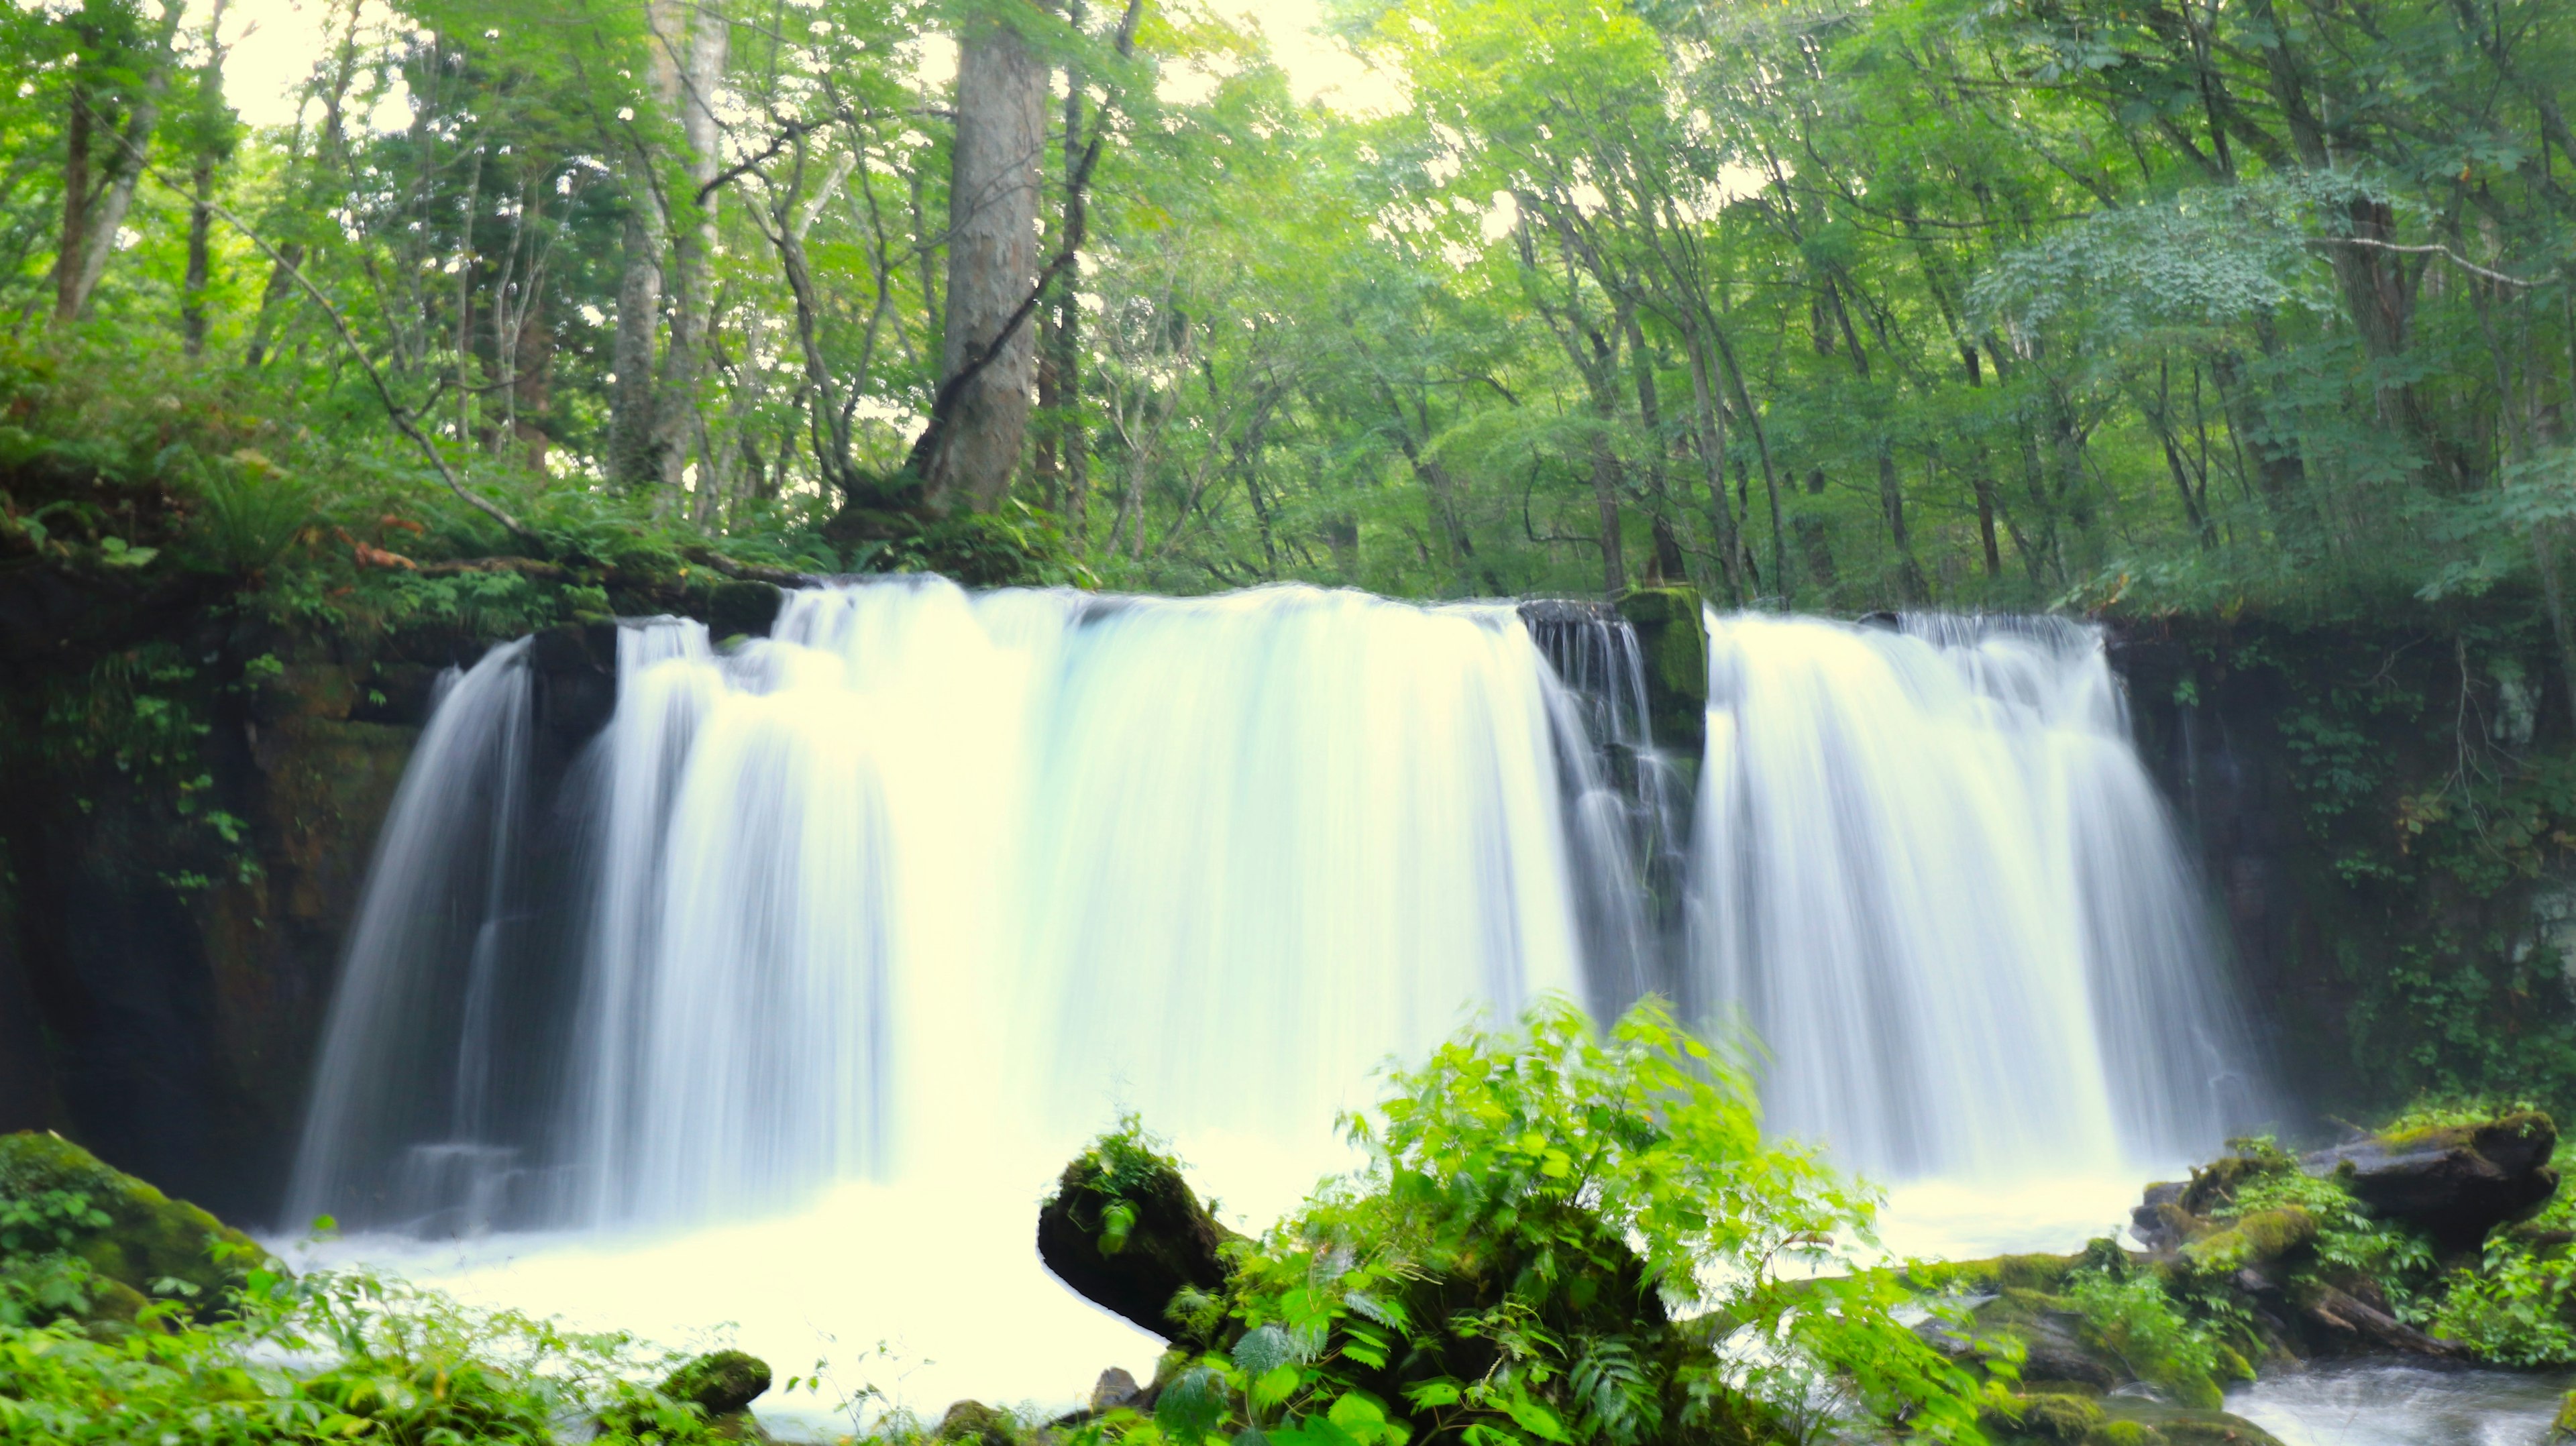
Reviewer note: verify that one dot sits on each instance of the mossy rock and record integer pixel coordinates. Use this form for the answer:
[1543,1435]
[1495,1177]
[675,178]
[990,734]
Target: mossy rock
[2055,1417]
[1128,1234]
[1673,640]
[742,609]
[721,1383]
[2185,1425]
[2265,1235]
[1994,1275]
[148,1239]
[972,1423]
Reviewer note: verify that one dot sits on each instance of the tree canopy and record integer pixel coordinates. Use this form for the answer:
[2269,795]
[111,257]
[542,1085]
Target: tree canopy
[1803,302]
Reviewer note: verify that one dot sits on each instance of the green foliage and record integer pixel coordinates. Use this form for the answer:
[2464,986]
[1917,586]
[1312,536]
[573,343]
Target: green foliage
[2347,1238]
[332,1358]
[2132,1316]
[1538,1206]
[2518,1306]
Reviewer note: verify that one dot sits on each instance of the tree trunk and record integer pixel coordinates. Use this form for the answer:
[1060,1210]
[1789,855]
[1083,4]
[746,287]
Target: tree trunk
[639,309]
[992,264]
[75,240]
[1665,564]
[1064,338]
[1605,501]
[676,423]
[211,120]
[124,172]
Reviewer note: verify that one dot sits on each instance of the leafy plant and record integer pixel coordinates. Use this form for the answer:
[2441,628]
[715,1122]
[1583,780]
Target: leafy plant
[1567,1238]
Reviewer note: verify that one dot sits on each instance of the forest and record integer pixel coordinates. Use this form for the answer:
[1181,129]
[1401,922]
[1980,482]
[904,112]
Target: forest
[1809,304]
[1916,615]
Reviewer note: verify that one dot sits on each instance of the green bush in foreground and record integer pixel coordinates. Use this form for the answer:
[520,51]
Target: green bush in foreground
[1562,1239]
[332,1357]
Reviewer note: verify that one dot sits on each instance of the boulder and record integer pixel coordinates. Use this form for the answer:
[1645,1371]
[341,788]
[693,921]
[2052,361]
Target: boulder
[721,1383]
[2455,1183]
[1126,1232]
[972,1423]
[56,1196]
[1114,1389]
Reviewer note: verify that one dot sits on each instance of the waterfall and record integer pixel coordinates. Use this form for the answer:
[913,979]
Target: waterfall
[928,878]
[931,884]
[401,1120]
[1936,881]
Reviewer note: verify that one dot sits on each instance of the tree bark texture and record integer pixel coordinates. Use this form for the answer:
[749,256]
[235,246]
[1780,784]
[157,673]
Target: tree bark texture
[992,263]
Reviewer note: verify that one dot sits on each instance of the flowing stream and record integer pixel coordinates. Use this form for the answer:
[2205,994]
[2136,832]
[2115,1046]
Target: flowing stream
[783,1002]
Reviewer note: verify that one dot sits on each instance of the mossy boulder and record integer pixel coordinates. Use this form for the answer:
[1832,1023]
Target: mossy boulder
[1128,1234]
[1673,639]
[2180,1425]
[124,1229]
[2051,1417]
[742,609]
[2455,1182]
[972,1423]
[2253,1239]
[721,1383]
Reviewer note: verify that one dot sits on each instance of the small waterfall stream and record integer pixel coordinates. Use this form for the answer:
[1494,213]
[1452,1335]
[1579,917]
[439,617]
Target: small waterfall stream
[912,896]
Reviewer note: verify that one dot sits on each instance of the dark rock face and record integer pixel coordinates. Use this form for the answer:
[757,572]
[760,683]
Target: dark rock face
[722,1383]
[2454,1184]
[163,984]
[1128,1235]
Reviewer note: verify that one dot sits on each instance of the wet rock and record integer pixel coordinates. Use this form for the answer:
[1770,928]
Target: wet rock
[722,1383]
[2455,1183]
[1672,638]
[1124,1230]
[742,609]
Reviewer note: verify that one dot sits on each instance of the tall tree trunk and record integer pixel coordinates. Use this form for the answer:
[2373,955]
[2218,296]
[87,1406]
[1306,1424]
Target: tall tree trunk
[74,243]
[1605,502]
[1072,442]
[992,264]
[1711,445]
[676,424]
[1665,564]
[124,172]
[212,119]
[639,311]
[192,292]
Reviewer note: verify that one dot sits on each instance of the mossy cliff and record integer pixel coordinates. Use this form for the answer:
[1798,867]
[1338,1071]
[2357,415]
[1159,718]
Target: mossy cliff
[195,756]
[2385,807]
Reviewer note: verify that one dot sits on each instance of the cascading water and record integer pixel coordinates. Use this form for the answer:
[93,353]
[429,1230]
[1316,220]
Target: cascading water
[873,921]
[926,872]
[402,1118]
[1941,888]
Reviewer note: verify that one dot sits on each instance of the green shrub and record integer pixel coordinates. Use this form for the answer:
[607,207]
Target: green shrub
[1571,1239]
[2134,1319]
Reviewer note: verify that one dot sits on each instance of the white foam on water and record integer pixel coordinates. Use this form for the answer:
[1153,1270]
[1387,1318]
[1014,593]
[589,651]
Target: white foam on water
[2382,1404]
